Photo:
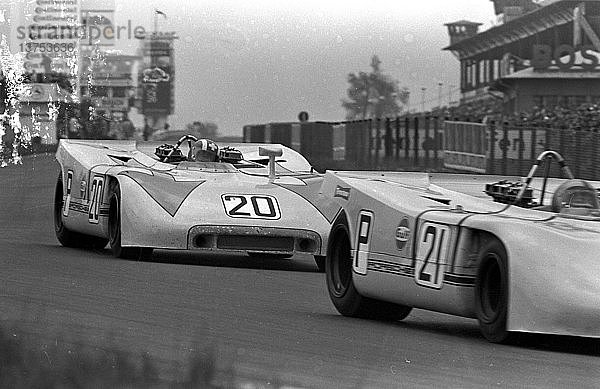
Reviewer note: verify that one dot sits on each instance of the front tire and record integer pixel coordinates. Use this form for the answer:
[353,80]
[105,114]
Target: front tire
[491,292]
[66,237]
[346,299]
[114,229]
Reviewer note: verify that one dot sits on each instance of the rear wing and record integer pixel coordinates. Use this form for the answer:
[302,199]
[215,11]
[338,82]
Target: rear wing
[289,159]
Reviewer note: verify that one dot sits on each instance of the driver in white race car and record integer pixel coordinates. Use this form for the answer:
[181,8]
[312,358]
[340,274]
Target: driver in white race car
[205,150]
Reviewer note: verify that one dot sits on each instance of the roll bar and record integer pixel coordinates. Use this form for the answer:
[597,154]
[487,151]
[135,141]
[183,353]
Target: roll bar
[548,154]
[189,138]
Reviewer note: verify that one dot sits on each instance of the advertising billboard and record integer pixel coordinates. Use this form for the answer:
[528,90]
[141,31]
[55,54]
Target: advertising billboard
[156,76]
[46,32]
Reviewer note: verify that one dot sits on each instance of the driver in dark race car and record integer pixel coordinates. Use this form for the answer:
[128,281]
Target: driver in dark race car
[205,150]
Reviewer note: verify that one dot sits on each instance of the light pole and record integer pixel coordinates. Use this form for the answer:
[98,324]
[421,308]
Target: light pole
[423,89]
[440,94]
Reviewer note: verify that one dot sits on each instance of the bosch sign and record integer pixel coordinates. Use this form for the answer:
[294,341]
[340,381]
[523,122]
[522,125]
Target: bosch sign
[563,56]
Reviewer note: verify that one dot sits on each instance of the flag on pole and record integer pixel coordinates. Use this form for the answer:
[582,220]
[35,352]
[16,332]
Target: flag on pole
[158,12]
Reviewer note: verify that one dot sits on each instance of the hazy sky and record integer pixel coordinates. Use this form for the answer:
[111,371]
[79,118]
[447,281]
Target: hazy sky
[246,62]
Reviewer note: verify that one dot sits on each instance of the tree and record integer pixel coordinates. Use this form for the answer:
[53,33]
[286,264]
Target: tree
[374,94]
[203,129]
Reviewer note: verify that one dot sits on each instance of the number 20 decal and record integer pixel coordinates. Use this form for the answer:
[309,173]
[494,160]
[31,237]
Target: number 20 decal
[432,255]
[96,199]
[251,206]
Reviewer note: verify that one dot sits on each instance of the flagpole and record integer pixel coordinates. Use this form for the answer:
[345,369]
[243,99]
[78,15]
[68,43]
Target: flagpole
[153,58]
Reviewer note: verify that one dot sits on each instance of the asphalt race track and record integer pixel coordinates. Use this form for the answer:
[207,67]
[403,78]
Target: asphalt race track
[264,319]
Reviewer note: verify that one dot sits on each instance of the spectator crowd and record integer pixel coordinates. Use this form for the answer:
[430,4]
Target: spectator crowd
[580,117]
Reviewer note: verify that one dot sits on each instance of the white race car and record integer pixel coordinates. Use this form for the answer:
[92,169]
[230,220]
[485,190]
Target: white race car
[258,199]
[439,242]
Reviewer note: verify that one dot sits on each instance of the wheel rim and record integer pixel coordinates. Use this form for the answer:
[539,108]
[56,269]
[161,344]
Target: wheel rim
[340,266]
[113,221]
[491,289]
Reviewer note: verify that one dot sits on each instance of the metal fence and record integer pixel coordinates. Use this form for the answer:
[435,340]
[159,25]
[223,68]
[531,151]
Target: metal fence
[414,142]
[516,148]
[432,143]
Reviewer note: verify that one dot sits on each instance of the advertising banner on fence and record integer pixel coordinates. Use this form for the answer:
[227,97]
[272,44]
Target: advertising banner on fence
[519,143]
[465,146]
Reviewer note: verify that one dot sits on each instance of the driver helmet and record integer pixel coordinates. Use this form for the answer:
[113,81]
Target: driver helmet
[205,150]
[575,194]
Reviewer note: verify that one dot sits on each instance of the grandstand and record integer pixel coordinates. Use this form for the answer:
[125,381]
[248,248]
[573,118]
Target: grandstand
[543,54]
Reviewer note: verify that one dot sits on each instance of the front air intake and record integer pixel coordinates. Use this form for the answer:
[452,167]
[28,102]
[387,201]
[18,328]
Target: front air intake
[258,243]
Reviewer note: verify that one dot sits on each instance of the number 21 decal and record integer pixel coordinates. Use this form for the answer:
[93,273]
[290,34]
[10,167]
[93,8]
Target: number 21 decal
[432,254]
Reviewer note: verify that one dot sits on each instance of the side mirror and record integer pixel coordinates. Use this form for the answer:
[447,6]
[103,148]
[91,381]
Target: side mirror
[270,152]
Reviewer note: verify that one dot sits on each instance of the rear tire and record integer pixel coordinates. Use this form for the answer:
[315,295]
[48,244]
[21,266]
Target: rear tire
[114,229]
[491,292]
[346,299]
[66,237]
